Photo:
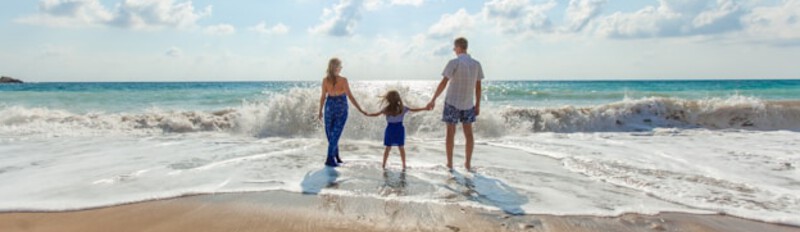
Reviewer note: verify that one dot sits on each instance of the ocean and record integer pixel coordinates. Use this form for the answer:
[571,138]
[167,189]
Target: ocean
[542,147]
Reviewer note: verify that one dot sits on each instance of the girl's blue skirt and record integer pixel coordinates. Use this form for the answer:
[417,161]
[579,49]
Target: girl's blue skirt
[395,135]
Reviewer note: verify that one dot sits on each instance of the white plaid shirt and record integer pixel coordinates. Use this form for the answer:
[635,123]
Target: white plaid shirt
[462,73]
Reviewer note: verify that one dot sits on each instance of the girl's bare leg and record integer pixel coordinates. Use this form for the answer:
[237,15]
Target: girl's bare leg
[386,155]
[403,156]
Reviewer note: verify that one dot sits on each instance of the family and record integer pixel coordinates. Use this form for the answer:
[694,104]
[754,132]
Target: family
[462,105]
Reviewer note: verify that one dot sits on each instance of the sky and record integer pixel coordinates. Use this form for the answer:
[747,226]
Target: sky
[256,40]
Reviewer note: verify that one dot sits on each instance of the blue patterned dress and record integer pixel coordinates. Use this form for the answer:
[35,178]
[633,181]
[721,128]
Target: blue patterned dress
[335,118]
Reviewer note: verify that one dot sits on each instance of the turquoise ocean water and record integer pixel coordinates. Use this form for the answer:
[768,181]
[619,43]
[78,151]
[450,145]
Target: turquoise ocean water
[136,96]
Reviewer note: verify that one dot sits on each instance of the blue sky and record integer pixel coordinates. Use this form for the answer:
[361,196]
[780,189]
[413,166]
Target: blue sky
[235,40]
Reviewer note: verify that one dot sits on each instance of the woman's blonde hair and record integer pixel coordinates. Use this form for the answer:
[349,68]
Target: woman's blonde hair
[394,104]
[333,64]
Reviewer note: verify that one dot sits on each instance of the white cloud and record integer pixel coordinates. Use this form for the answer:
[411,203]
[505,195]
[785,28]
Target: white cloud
[408,2]
[447,28]
[136,14]
[675,18]
[278,29]
[174,52]
[415,46]
[581,12]
[443,50]
[157,13]
[646,22]
[775,24]
[220,29]
[726,17]
[519,16]
[689,7]
[67,13]
[371,5]
[341,19]
[449,25]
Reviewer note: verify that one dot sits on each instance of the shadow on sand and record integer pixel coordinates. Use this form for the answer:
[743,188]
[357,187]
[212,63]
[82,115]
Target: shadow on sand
[488,191]
[315,181]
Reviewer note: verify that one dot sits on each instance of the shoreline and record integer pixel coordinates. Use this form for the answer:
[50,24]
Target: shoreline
[287,211]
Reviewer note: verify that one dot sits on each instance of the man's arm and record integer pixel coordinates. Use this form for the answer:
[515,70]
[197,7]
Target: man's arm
[478,97]
[417,109]
[439,90]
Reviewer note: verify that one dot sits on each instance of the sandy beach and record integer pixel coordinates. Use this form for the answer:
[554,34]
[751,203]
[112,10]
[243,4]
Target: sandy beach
[284,211]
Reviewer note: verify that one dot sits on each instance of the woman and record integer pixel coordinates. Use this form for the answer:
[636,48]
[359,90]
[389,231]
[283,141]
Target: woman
[334,89]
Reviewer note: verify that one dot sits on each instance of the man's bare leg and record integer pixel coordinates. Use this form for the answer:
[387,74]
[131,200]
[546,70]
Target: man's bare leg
[451,133]
[470,145]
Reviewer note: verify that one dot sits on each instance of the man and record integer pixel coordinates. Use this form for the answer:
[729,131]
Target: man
[463,100]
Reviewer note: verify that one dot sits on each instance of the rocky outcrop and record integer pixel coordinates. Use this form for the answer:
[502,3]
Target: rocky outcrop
[9,80]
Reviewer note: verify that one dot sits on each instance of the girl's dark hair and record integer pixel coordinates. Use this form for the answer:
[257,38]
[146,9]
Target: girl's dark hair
[333,64]
[394,105]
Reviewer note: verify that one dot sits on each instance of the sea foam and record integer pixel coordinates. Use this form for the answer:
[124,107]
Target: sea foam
[294,114]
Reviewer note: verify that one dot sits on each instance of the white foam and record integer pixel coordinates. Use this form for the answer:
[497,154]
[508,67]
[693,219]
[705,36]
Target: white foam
[590,173]
[293,114]
[745,173]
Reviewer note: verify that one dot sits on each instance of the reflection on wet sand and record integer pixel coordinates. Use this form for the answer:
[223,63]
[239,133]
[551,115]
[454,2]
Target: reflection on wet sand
[394,183]
[486,190]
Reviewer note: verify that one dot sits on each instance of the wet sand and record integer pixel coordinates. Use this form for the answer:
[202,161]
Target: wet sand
[284,211]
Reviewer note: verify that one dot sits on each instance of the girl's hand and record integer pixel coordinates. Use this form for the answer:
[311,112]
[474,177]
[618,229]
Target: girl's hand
[319,116]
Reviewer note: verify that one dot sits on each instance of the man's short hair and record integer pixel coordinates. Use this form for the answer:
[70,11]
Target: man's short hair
[461,42]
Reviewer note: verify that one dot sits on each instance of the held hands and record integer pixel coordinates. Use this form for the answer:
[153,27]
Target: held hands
[430,105]
[370,114]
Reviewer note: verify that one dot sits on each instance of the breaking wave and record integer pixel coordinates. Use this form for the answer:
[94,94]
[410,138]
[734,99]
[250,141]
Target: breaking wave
[293,114]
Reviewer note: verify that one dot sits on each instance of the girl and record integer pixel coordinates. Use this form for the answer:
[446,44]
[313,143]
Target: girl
[395,134]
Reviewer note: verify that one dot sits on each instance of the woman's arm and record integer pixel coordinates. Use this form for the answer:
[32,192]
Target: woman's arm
[373,114]
[322,99]
[350,95]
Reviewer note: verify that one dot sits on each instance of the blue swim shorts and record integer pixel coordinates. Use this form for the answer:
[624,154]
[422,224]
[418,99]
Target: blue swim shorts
[452,115]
